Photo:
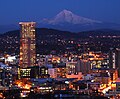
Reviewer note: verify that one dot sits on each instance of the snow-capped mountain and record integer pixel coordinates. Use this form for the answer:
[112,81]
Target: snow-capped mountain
[66,16]
[68,21]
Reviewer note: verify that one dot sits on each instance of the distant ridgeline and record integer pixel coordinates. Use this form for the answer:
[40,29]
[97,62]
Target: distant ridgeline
[48,40]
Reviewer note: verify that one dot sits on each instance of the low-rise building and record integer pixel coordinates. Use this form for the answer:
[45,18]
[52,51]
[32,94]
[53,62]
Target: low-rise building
[5,75]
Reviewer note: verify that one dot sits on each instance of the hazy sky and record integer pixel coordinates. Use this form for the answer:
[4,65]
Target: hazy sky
[13,11]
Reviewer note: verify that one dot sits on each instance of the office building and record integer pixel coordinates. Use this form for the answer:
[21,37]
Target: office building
[111,58]
[6,77]
[27,44]
[117,60]
[83,66]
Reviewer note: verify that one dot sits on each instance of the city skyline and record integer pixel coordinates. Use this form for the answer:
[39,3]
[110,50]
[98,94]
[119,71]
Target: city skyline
[61,49]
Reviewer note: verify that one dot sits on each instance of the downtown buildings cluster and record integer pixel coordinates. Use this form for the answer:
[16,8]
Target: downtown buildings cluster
[91,73]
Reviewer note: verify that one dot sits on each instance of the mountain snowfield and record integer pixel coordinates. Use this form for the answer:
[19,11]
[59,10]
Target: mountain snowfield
[69,17]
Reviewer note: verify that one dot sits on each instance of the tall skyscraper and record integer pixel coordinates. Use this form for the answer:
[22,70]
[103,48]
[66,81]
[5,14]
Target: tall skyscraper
[117,60]
[117,63]
[27,44]
[112,58]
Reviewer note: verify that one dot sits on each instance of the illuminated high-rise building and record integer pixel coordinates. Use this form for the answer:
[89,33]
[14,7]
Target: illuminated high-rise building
[27,44]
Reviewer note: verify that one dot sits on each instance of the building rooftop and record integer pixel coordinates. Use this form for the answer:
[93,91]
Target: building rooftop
[27,23]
